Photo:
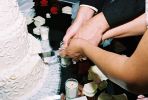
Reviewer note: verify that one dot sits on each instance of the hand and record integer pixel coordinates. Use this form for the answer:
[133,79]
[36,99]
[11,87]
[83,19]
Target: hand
[71,31]
[93,29]
[83,15]
[75,49]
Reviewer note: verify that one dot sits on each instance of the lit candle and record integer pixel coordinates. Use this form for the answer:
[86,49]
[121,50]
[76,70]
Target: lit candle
[71,88]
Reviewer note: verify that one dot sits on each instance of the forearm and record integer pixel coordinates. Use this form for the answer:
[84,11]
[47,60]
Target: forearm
[128,72]
[100,23]
[84,14]
[110,63]
[132,28]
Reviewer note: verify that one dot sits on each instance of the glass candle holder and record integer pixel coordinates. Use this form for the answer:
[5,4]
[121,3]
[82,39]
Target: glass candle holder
[71,87]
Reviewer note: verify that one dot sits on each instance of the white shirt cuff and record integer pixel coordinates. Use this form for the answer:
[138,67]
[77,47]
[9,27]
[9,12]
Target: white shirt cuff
[93,8]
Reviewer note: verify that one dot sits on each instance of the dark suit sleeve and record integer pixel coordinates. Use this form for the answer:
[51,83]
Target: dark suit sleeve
[95,3]
[122,11]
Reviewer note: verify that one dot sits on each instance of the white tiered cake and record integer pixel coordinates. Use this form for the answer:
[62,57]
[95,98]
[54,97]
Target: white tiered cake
[22,71]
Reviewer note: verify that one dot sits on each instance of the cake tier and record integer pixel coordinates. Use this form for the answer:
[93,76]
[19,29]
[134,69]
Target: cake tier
[14,47]
[22,79]
[13,33]
[9,14]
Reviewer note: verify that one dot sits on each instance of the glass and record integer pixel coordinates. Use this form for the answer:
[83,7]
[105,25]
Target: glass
[71,87]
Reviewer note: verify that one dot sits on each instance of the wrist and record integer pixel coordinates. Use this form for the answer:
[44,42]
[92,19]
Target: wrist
[101,23]
[84,13]
[83,44]
[80,43]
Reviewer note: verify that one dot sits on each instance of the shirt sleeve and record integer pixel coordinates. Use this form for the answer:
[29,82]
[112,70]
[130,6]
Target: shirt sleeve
[91,7]
[122,11]
[98,4]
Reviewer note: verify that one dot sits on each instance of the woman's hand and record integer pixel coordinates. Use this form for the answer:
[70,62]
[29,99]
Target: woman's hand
[75,49]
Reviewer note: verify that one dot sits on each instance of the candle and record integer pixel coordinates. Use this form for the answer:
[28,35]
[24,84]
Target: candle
[71,87]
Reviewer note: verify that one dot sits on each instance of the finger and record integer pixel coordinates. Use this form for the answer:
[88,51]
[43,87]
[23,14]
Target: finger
[73,54]
[76,58]
[79,58]
[67,37]
[62,53]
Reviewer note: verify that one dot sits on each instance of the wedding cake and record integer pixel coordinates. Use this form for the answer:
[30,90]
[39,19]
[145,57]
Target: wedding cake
[22,71]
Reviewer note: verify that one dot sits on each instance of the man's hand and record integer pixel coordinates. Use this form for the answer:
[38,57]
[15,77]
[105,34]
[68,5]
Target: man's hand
[83,15]
[93,29]
[71,32]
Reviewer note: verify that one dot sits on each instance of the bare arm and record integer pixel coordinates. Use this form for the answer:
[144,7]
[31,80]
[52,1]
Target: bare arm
[132,28]
[128,72]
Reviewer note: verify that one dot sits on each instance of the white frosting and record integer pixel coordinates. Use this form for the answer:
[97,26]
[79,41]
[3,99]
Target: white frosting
[20,70]
[14,48]
[13,33]
[18,81]
[34,45]
[9,17]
